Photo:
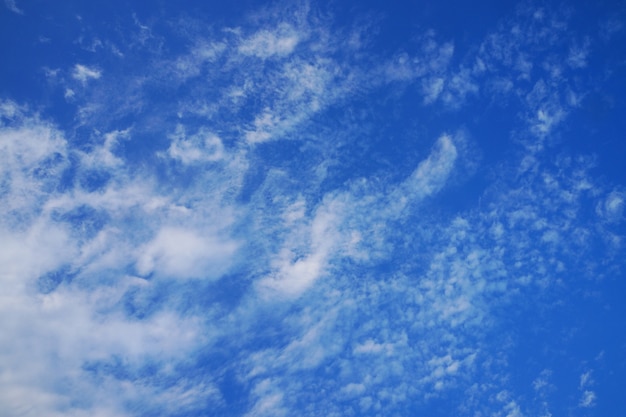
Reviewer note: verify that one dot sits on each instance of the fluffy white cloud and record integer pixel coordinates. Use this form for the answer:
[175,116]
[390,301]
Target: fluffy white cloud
[62,268]
[84,73]
[180,253]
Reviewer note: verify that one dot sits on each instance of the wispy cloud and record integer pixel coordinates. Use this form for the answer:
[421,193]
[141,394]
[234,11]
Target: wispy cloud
[12,6]
[209,249]
[266,43]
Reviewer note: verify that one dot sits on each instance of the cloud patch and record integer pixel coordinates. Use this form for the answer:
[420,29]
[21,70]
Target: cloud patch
[180,253]
[83,73]
[280,41]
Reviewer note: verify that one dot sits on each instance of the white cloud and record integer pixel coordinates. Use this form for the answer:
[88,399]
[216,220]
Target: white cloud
[459,87]
[299,90]
[264,125]
[612,207]
[265,43]
[84,73]
[203,146]
[76,334]
[542,381]
[546,120]
[204,52]
[431,62]
[268,405]
[295,212]
[578,54]
[12,5]
[25,148]
[35,154]
[585,380]
[64,283]
[524,66]
[370,346]
[103,156]
[69,93]
[180,253]
[78,325]
[588,399]
[296,268]
[440,368]
[432,89]
[353,390]
[431,174]
[9,109]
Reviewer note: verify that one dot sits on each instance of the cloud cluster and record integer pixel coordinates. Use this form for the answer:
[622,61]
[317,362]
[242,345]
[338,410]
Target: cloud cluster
[245,247]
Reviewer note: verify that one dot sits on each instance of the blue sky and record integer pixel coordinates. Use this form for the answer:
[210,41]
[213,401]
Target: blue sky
[312,208]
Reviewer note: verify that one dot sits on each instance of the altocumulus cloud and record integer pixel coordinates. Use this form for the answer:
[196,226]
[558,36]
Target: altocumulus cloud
[274,215]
